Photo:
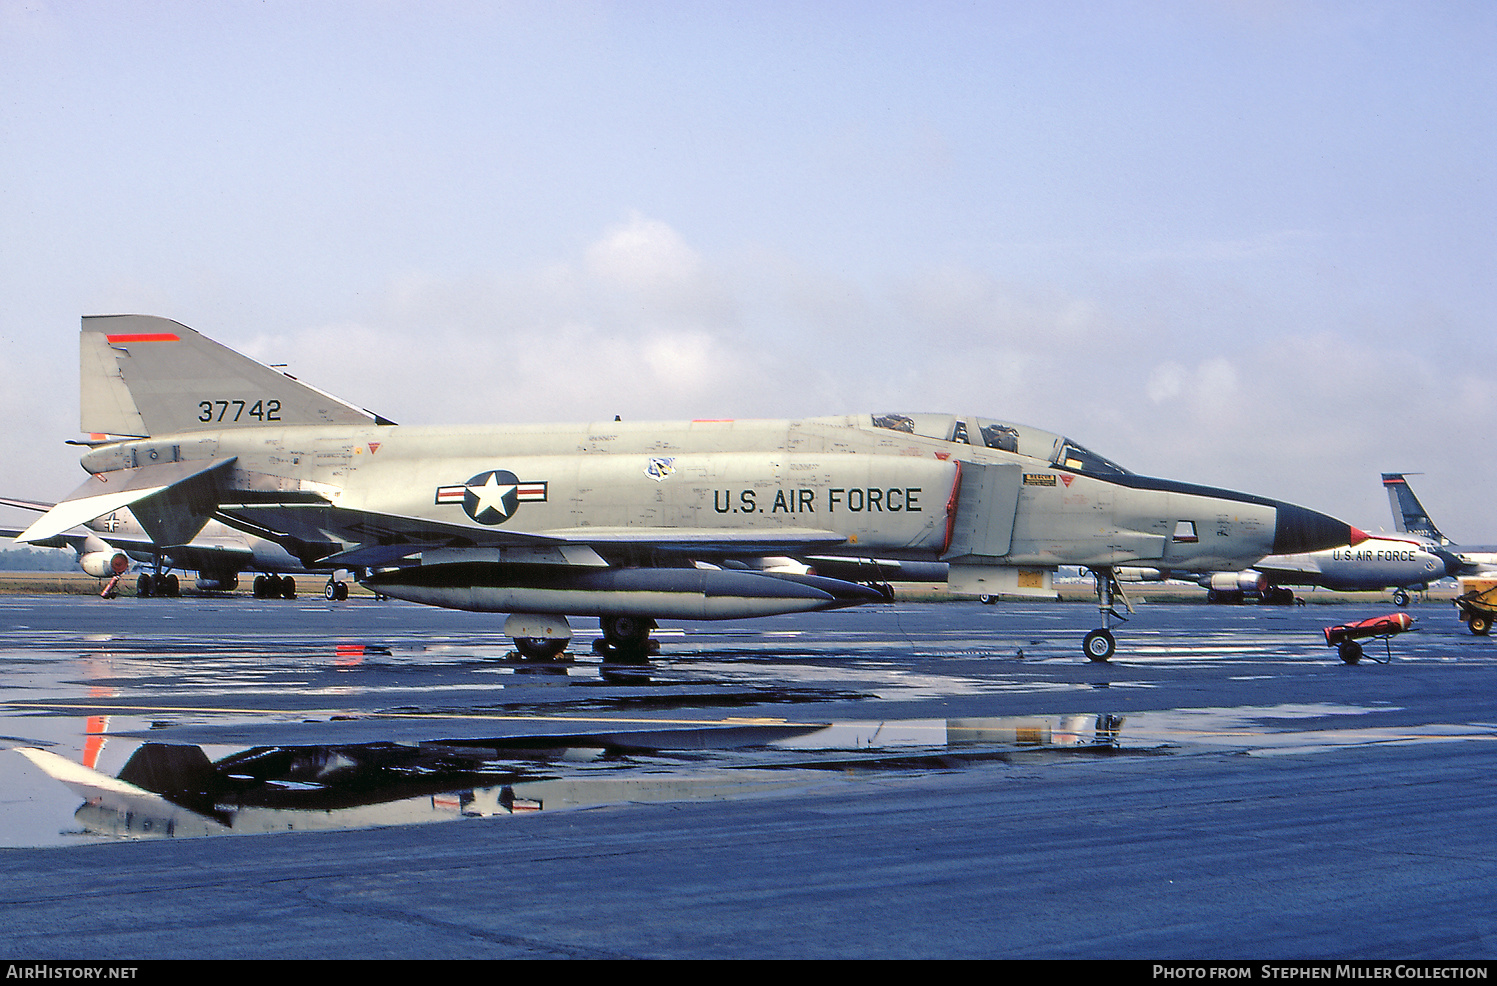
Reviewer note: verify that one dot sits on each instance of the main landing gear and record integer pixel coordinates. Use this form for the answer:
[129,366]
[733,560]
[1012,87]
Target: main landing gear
[626,638]
[148,585]
[274,587]
[335,591]
[1099,645]
[538,636]
[159,582]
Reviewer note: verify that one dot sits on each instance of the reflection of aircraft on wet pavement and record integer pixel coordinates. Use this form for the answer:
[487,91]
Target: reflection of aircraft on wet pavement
[107,545]
[1410,517]
[176,791]
[629,522]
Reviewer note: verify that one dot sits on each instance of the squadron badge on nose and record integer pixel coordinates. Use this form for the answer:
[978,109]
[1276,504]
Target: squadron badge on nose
[492,497]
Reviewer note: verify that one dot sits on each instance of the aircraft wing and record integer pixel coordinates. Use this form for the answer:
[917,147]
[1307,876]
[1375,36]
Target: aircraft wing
[369,539]
[703,540]
[375,539]
[200,557]
[1304,564]
[35,505]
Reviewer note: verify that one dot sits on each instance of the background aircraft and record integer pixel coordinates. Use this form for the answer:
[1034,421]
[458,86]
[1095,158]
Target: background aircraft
[1410,517]
[626,521]
[106,546]
[1381,562]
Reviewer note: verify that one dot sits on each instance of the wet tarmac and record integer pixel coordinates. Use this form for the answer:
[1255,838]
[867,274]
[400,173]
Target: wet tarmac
[914,780]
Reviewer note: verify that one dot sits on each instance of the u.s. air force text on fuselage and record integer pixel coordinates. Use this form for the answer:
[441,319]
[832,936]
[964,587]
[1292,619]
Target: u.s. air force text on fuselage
[801,500]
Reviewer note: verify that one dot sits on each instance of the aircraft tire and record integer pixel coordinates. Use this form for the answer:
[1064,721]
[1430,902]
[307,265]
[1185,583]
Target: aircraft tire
[1350,651]
[171,588]
[1400,598]
[288,587]
[539,648]
[627,631]
[1480,625]
[330,591]
[1099,646]
[143,585]
[988,600]
[342,591]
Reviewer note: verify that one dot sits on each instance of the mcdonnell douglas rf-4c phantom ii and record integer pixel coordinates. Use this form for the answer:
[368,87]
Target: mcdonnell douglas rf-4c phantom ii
[627,521]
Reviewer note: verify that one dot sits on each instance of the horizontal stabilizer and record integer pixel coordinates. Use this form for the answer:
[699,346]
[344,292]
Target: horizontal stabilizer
[192,483]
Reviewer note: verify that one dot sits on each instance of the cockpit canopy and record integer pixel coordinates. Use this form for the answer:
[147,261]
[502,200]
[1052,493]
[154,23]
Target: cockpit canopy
[1058,450]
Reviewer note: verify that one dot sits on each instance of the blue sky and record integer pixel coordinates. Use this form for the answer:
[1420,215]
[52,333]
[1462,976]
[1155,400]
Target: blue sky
[1246,244]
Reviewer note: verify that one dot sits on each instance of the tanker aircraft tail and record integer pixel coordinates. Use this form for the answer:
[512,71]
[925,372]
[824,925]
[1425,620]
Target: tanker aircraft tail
[1410,516]
[630,521]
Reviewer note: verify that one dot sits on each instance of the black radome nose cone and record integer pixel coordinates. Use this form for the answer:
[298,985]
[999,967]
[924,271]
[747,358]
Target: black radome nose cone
[1300,531]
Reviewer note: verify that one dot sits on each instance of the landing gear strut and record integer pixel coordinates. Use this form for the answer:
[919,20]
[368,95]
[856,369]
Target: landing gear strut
[1099,645]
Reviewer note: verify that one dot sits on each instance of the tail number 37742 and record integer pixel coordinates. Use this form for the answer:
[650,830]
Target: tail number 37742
[234,410]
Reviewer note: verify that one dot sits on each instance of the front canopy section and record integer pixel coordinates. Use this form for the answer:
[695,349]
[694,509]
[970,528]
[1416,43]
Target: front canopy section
[1058,450]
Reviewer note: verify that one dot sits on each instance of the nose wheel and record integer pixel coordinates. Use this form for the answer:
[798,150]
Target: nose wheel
[1099,645]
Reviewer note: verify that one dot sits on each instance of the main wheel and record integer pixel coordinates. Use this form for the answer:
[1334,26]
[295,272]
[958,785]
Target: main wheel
[1099,645]
[1350,651]
[540,648]
[1480,624]
[170,587]
[144,585]
[627,631]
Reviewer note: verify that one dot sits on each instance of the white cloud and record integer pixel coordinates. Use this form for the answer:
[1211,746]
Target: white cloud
[643,255]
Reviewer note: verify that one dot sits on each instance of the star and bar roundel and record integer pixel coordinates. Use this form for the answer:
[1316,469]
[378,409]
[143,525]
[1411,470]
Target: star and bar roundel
[492,497]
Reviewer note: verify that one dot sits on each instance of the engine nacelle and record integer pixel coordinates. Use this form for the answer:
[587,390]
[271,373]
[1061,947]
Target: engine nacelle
[1248,582]
[101,559]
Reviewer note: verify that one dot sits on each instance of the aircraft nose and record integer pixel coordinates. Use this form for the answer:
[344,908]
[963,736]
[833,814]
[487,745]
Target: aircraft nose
[1300,531]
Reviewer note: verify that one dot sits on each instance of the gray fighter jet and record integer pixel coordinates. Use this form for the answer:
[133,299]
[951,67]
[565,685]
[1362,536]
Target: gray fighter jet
[627,521]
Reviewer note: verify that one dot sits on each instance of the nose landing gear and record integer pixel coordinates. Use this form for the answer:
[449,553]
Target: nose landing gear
[1099,645]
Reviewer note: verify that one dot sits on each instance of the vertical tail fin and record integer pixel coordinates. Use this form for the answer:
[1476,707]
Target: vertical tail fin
[1409,516]
[141,375]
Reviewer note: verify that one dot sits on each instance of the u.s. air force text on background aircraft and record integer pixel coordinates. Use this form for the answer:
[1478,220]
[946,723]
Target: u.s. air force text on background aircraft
[631,522]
